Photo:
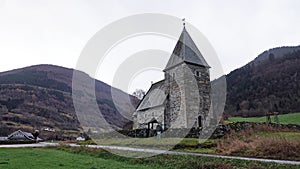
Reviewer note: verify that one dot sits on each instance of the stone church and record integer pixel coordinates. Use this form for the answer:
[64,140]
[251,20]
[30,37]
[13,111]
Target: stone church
[182,99]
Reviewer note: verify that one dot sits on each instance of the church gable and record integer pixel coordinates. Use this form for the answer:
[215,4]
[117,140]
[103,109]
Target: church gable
[154,97]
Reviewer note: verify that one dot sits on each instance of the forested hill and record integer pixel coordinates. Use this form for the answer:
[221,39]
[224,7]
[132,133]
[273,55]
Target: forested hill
[40,96]
[271,82]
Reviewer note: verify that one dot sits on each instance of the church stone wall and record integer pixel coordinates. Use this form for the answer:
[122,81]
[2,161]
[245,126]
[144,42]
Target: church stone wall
[189,95]
[197,94]
[175,107]
[141,118]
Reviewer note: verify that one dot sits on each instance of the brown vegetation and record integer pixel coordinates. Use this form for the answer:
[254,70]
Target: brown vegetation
[252,143]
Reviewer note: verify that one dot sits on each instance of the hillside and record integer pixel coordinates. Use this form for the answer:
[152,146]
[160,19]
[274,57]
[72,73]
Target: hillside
[40,96]
[269,83]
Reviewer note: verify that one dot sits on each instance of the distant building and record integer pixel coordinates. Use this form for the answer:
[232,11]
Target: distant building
[21,135]
[182,99]
[48,129]
[80,139]
[3,138]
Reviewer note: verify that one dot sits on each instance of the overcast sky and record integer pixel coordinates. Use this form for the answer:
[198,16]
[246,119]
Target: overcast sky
[55,31]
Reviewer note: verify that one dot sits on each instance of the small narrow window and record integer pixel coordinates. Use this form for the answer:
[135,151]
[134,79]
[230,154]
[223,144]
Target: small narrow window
[199,121]
[197,73]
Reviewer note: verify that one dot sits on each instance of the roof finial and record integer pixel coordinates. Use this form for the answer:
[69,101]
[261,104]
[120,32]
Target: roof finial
[183,22]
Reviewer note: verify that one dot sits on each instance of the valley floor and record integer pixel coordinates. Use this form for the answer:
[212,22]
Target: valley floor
[80,157]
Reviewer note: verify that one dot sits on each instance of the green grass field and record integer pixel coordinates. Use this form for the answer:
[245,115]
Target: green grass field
[38,158]
[292,118]
[152,141]
[84,158]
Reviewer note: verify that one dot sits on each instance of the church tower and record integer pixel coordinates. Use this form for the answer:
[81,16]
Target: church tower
[187,85]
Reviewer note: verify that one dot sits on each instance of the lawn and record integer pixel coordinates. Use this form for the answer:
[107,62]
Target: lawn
[80,157]
[176,144]
[292,118]
[37,158]
[152,141]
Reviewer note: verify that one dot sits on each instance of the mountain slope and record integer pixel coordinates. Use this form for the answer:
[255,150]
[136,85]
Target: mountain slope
[40,96]
[269,83]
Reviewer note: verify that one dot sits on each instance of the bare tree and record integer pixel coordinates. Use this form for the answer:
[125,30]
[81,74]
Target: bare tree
[35,135]
[139,93]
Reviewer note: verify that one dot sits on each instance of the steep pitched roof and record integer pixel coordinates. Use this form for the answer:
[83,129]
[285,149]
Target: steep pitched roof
[154,97]
[27,135]
[186,51]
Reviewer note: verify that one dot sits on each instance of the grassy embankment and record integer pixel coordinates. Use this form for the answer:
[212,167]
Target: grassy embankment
[80,157]
[261,141]
[292,118]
